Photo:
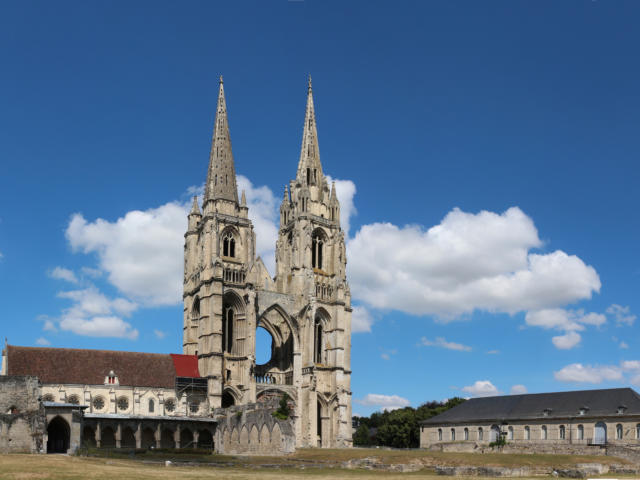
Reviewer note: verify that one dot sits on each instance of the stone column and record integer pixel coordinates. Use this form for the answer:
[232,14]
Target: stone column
[98,434]
[139,435]
[196,435]
[158,434]
[176,436]
[118,435]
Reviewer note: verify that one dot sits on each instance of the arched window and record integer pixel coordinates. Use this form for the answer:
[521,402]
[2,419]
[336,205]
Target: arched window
[543,433]
[195,310]
[453,434]
[439,434]
[580,432]
[317,344]
[510,433]
[74,399]
[466,434]
[228,245]
[480,434]
[638,431]
[527,433]
[227,330]
[562,432]
[619,432]
[308,176]
[317,250]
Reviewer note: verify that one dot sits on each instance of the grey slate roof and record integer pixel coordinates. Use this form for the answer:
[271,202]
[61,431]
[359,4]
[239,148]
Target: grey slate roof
[601,403]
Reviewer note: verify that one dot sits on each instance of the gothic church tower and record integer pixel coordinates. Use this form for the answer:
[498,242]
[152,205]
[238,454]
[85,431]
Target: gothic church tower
[219,252]
[311,267]
[306,307]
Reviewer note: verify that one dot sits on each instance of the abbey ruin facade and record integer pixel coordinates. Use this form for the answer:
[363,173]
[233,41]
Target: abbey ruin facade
[306,307]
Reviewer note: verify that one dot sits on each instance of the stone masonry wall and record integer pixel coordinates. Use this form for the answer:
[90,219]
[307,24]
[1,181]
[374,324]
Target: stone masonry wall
[253,430]
[22,418]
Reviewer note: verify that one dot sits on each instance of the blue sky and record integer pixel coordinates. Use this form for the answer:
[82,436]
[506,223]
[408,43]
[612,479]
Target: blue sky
[486,152]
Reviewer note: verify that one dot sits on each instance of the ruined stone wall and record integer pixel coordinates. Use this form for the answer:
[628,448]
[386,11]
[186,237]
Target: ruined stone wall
[22,418]
[253,430]
[529,447]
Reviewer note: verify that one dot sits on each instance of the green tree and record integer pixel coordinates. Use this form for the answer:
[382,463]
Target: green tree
[361,437]
[401,428]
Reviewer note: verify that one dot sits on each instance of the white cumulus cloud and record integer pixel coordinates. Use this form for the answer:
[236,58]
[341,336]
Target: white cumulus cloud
[99,326]
[361,319]
[622,315]
[141,251]
[630,365]
[567,341]
[159,334]
[570,321]
[384,402]
[482,388]
[579,373]
[42,342]
[61,273]
[467,262]
[93,314]
[442,342]
[518,390]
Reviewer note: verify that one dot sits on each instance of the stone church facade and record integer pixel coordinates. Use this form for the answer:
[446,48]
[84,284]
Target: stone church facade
[129,399]
[306,307]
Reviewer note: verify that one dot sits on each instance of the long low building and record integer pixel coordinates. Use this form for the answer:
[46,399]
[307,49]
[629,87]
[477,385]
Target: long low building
[586,417]
[102,398]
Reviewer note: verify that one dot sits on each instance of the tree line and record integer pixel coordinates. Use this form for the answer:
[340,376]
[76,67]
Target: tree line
[398,428]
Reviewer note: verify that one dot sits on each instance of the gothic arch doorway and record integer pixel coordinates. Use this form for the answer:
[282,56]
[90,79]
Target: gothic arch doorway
[58,433]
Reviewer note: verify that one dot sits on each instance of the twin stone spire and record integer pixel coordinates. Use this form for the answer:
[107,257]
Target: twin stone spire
[221,176]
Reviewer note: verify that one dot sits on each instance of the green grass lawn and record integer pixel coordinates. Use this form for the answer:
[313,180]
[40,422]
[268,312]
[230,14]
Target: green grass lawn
[305,463]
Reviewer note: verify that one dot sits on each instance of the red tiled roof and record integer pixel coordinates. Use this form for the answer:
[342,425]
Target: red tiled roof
[90,367]
[185,365]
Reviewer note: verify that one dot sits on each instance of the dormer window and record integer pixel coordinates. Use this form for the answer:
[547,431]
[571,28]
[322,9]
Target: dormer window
[546,412]
[111,379]
[622,409]
[583,410]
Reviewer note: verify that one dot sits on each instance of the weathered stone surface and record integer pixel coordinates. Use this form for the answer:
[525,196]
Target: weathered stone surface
[253,430]
[22,418]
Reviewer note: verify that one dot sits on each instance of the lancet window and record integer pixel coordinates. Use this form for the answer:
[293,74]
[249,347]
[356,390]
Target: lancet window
[227,329]
[317,250]
[228,245]
[195,310]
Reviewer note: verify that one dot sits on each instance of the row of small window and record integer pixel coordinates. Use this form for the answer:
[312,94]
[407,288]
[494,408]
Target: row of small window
[122,403]
[562,433]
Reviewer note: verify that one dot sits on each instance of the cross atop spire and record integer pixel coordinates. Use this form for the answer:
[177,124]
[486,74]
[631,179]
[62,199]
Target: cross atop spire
[221,177]
[309,166]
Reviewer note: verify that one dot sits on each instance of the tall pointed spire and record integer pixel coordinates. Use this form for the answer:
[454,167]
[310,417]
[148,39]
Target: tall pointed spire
[221,177]
[310,152]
